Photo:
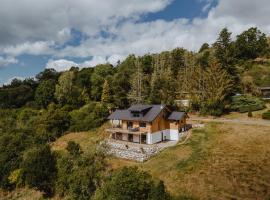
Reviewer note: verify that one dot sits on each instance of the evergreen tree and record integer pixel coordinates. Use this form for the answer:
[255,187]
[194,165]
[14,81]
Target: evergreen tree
[224,51]
[105,97]
[135,94]
[217,87]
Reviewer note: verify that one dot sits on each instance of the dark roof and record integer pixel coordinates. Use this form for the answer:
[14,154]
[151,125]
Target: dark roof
[265,88]
[176,115]
[149,116]
[139,107]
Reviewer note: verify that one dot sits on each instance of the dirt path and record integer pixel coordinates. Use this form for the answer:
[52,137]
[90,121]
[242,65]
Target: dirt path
[258,122]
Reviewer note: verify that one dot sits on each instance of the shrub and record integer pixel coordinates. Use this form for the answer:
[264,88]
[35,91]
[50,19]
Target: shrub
[88,117]
[74,148]
[246,103]
[130,183]
[250,114]
[266,115]
[79,176]
[39,169]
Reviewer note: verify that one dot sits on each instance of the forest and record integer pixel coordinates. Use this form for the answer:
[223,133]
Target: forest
[35,112]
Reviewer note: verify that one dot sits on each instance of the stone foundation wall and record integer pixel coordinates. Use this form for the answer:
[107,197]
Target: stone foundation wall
[132,152]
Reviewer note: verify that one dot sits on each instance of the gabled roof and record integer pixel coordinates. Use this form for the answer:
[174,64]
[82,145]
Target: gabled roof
[149,116]
[176,116]
[139,107]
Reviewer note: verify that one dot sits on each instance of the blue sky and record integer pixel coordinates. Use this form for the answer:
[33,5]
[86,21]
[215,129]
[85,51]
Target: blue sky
[59,34]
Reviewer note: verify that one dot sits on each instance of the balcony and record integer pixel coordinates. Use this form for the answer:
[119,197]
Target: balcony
[119,129]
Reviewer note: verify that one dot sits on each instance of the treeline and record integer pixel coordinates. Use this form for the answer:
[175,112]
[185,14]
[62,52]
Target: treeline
[209,76]
[35,112]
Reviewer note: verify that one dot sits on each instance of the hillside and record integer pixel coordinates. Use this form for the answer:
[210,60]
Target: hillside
[224,161]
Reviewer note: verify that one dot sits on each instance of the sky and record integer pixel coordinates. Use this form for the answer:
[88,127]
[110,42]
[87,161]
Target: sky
[58,34]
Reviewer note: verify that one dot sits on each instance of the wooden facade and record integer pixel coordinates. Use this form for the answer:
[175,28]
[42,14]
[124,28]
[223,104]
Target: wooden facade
[140,131]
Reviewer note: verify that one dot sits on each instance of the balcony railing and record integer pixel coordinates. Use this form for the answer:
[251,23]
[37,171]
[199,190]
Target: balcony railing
[135,130]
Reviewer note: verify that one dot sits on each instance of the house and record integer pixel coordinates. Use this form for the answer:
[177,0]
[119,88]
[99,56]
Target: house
[147,124]
[265,92]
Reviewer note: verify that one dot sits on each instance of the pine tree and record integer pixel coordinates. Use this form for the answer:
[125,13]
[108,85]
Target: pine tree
[217,87]
[105,97]
[136,92]
[224,52]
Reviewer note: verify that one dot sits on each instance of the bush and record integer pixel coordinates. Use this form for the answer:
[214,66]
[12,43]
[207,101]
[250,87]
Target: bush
[39,169]
[246,103]
[250,114]
[12,147]
[79,176]
[130,183]
[88,117]
[266,115]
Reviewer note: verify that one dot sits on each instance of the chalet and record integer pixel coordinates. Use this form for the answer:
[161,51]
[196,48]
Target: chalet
[147,124]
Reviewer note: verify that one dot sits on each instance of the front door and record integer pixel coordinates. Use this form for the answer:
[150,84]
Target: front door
[130,137]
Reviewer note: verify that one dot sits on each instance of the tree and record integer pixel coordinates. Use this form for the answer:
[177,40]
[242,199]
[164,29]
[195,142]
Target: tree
[121,82]
[79,176]
[44,94]
[39,168]
[101,72]
[135,93]
[251,44]
[105,97]
[224,52]
[12,147]
[52,123]
[130,183]
[48,74]
[177,61]
[65,90]
[204,47]
[217,87]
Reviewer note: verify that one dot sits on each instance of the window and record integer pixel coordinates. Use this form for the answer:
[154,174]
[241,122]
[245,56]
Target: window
[142,124]
[136,114]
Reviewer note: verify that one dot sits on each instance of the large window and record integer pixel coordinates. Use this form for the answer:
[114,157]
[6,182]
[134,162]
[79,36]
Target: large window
[142,124]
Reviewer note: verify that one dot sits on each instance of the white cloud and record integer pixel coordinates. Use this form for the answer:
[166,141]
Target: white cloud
[33,48]
[61,64]
[6,61]
[46,25]
[12,78]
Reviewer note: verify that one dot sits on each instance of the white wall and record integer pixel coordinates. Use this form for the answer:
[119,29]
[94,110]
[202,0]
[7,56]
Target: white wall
[174,135]
[168,134]
[153,137]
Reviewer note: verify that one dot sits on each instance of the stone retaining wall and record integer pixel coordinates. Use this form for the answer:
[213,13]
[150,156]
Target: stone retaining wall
[132,152]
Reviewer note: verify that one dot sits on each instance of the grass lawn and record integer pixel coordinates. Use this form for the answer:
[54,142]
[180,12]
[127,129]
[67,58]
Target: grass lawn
[220,161]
